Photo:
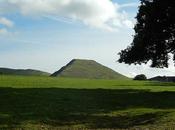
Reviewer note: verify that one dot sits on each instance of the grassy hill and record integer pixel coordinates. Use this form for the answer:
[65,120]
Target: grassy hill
[26,72]
[79,68]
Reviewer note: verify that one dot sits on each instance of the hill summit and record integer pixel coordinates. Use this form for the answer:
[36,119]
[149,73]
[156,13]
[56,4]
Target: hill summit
[80,68]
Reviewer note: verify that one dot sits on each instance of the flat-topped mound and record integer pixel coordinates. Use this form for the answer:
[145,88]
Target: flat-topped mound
[80,68]
[25,72]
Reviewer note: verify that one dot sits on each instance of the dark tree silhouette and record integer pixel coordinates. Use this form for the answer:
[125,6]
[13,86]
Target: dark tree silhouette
[154,34]
[140,77]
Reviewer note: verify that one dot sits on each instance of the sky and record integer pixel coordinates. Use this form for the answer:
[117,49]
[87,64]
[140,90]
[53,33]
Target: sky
[47,34]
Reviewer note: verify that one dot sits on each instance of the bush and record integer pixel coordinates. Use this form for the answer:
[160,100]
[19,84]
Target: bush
[140,77]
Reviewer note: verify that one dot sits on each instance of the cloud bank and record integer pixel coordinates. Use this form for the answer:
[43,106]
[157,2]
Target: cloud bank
[102,14]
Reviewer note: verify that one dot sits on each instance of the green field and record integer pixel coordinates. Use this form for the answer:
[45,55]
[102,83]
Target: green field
[34,103]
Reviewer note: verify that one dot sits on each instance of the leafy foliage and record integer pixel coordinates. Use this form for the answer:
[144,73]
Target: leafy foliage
[140,77]
[154,34]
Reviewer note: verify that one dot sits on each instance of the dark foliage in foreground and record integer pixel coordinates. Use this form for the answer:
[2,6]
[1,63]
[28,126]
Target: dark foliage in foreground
[140,77]
[154,34]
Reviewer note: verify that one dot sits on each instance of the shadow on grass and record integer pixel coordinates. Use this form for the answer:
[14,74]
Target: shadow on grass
[157,83]
[66,107]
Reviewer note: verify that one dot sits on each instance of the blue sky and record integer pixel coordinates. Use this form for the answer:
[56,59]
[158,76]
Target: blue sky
[47,34]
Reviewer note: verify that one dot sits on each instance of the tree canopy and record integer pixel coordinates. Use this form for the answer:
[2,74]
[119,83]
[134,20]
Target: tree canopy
[140,77]
[154,37]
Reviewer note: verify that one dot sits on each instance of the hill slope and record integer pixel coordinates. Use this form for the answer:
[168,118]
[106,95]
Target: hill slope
[27,72]
[87,69]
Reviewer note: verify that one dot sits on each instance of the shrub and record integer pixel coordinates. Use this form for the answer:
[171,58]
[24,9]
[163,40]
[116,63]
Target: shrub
[140,77]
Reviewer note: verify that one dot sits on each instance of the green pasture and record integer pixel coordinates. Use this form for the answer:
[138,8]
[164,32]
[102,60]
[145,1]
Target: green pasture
[34,103]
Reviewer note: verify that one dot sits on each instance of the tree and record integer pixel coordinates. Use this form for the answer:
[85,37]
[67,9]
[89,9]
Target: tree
[140,77]
[154,37]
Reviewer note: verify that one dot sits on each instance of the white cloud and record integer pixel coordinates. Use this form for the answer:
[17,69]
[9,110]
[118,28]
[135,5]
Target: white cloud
[94,13]
[129,5]
[59,19]
[6,22]
[128,23]
[3,31]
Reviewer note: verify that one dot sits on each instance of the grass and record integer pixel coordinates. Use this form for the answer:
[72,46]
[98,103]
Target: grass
[31,103]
